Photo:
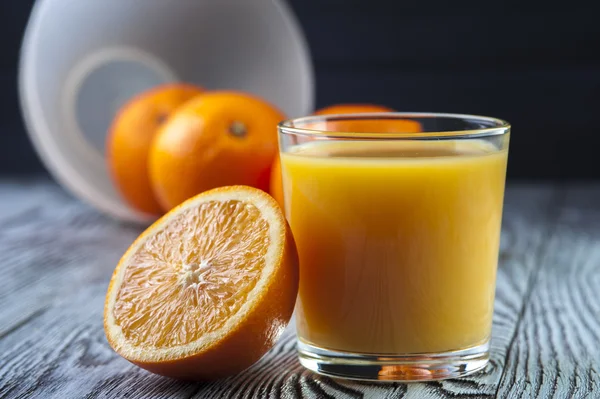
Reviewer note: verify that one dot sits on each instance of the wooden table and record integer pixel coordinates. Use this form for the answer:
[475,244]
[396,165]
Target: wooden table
[57,255]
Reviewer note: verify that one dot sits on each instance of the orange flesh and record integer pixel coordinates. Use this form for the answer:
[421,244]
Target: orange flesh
[188,279]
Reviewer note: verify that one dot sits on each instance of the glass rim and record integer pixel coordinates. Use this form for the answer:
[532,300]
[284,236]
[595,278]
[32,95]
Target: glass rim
[498,126]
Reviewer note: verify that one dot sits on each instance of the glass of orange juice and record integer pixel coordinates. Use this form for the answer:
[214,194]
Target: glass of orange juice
[397,221]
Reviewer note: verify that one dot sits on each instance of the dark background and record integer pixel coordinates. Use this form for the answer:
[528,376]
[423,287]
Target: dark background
[535,64]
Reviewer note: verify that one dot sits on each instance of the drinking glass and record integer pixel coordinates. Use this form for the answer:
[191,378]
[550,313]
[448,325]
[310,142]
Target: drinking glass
[396,218]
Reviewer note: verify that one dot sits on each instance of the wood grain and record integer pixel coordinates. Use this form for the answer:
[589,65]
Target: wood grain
[57,255]
[556,352]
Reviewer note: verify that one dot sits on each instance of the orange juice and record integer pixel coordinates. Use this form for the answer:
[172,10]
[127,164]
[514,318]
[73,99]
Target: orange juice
[398,242]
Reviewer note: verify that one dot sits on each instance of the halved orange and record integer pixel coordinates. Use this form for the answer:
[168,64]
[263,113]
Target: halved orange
[207,289]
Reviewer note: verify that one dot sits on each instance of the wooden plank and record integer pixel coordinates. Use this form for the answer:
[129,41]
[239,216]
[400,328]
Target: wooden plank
[51,246]
[56,264]
[556,352]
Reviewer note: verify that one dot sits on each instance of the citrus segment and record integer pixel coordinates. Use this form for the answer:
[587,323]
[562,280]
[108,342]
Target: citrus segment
[195,287]
[207,289]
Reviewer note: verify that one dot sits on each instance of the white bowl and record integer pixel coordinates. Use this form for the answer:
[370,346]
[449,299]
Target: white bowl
[81,60]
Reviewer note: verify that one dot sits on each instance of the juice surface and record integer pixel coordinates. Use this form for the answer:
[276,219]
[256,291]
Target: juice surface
[398,242]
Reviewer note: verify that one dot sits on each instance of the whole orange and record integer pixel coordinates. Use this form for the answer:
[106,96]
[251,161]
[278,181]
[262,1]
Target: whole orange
[352,109]
[130,136]
[220,138]
[275,186]
[364,125]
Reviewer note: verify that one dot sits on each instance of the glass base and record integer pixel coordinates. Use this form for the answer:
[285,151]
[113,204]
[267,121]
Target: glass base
[406,368]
